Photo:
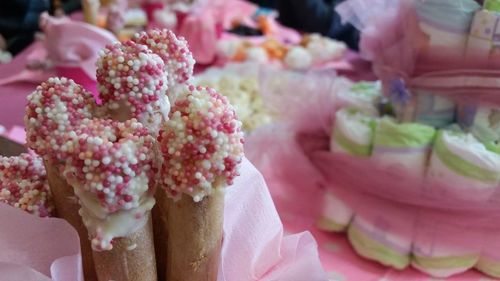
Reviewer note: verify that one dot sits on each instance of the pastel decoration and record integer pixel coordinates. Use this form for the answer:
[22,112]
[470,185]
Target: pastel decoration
[492,5]
[434,110]
[403,146]
[462,162]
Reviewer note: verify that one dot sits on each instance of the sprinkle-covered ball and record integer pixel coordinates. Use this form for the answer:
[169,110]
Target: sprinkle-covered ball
[23,184]
[132,83]
[174,51]
[202,144]
[112,160]
[54,108]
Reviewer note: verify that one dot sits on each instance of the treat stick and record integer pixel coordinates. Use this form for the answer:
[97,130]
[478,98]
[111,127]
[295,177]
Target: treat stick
[202,146]
[67,208]
[194,248]
[160,223]
[53,108]
[111,171]
[90,11]
[131,257]
[160,61]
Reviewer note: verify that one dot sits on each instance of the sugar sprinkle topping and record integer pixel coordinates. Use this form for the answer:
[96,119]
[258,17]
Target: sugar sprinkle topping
[23,184]
[202,144]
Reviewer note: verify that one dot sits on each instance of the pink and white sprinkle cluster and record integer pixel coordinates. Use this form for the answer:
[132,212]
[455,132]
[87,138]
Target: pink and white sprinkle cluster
[202,144]
[54,108]
[179,61]
[131,77]
[23,184]
[112,160]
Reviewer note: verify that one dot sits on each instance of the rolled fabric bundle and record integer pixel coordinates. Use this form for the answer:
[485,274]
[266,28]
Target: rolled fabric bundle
[434,110]
[469,170]
[384,234]
[489,261]
[352,135]
[441,249]
[447,23]
[482,122]
[362,96]
[492,5]
[403,146]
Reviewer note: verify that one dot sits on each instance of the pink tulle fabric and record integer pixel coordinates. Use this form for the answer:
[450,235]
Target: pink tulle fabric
[393,39]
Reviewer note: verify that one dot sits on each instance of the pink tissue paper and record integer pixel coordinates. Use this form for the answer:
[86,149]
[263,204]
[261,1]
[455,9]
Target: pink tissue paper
[254,247]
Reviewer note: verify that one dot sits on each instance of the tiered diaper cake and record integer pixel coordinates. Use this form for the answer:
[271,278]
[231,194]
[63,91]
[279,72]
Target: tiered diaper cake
[418,182]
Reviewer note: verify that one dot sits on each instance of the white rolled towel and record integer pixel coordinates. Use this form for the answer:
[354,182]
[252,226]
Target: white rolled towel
[442,250]
[352,134]
[361,95]
[461,162]
[468,171]
[489,261]
[384,234]
[403,147]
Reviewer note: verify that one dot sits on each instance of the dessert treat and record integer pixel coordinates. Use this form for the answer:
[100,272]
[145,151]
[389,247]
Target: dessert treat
[174,52]
[298,58]
[91,11]
[202,146]
[243,93]
[53,109]
[132,84]
[23,184]
[111,168]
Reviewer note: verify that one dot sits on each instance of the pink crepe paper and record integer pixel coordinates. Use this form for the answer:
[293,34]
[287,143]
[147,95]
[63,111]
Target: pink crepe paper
[17,134]
[254,246]
[34,249]
[79,51]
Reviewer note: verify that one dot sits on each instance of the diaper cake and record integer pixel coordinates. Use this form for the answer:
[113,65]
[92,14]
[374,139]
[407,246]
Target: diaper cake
[429,190]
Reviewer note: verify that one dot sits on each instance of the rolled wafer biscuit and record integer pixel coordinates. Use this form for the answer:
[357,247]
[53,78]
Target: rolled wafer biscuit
[111,168]
[53,109]
[202,146]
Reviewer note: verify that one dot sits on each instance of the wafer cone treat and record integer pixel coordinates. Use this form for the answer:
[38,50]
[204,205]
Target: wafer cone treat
[111,168]
[67,207]
[202,146]
[53,108]
[91,11]
[23,184]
